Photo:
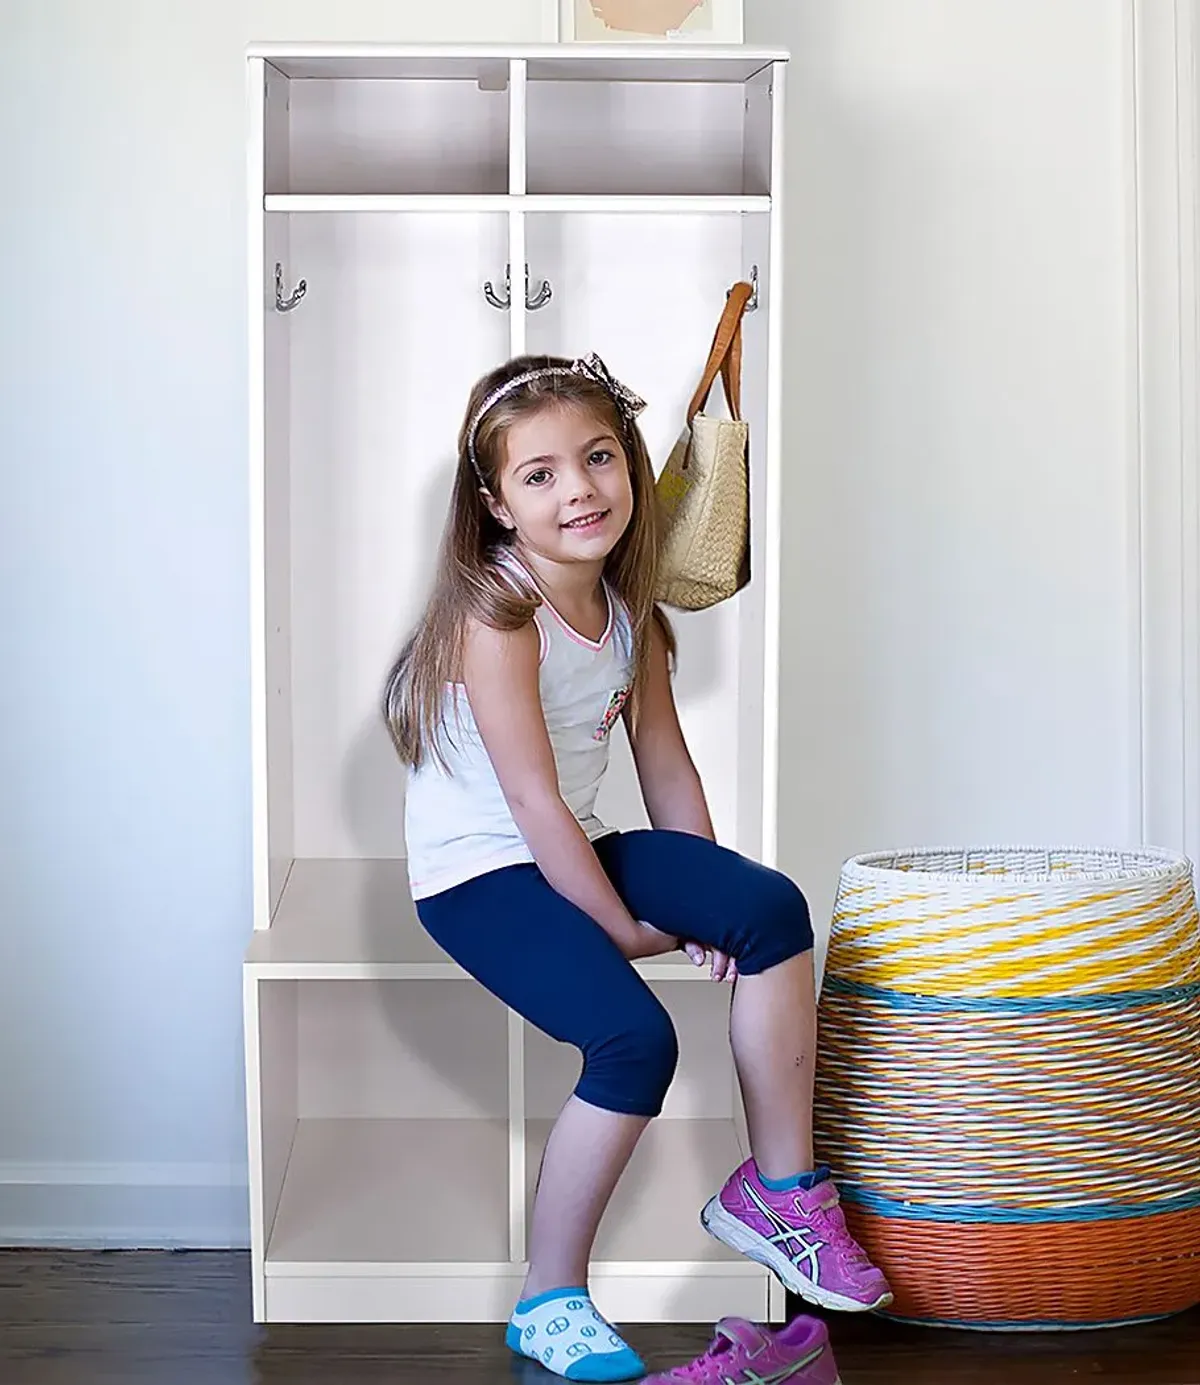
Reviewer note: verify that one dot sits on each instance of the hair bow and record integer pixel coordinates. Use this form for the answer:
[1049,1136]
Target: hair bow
[629,403]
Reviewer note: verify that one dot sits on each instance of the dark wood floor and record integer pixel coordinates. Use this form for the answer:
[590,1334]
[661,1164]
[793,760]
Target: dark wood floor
[184,1319]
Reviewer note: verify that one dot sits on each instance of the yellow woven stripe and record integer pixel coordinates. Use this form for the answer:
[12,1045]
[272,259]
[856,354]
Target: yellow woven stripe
[881,934]
[1131,959]
[983,924]
[1166,964]
[1155,934]
[865,919]
[1077,971]
[918,938]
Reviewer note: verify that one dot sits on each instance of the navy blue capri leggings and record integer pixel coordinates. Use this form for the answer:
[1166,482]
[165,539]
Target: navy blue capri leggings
[555,965]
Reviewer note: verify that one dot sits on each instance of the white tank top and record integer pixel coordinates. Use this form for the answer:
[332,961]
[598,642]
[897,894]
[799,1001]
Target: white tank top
[458,825]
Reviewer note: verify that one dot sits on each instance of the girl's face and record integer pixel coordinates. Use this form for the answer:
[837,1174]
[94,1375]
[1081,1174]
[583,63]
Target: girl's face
[564,487]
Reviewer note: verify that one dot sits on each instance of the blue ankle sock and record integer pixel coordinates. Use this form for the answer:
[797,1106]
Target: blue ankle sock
[562,1329]
[797,1180]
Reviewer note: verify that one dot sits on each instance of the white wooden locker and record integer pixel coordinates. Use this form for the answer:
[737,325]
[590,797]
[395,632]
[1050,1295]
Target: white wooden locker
[396,1110]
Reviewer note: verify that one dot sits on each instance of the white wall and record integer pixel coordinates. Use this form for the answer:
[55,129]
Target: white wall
[961,651]
[958,657]
[401,21]
[124,739]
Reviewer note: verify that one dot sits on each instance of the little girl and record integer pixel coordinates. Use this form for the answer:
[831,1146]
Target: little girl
[542,630]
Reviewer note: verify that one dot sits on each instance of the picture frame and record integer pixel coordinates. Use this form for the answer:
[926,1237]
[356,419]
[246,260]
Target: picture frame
[648,21]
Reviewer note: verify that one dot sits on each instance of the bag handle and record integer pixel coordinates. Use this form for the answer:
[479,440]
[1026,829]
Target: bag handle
[725,355]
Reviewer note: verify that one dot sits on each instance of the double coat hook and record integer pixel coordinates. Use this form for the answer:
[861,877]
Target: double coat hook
[504,301]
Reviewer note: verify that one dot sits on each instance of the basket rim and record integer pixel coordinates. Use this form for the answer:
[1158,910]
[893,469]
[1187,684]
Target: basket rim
[1145,863]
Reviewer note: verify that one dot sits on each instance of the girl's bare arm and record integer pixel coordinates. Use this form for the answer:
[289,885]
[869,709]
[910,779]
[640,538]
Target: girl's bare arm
[500,671]
[671,787]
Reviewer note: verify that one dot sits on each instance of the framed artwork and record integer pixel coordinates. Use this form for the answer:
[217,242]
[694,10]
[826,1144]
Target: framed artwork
[640,21]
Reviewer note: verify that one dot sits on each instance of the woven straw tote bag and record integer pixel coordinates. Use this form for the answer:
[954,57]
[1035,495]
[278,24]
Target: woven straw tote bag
[704,488]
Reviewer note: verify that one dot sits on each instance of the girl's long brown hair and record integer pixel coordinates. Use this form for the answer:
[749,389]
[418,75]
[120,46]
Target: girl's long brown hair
[469,583]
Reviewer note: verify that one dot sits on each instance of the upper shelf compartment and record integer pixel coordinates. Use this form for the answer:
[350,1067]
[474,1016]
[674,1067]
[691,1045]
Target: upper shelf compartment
[567,121]
[429,125]
[674,128]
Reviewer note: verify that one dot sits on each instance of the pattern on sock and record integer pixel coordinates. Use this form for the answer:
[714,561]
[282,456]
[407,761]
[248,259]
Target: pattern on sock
[563,1330]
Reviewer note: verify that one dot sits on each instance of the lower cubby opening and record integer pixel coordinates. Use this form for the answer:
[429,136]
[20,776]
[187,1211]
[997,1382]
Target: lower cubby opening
[379,1191]
[387,1149]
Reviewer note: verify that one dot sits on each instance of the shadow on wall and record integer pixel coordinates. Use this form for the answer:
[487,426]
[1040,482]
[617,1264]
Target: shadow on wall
[373,782]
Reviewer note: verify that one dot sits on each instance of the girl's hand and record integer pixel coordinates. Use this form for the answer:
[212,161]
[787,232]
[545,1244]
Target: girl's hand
[724,967]
[650,942]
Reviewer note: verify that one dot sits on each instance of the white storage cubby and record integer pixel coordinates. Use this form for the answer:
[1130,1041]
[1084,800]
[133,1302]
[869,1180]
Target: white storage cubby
[444,209]
[645,128]
[366,126]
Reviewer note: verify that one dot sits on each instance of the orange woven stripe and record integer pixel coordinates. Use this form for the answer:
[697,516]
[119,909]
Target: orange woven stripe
[1067,1272]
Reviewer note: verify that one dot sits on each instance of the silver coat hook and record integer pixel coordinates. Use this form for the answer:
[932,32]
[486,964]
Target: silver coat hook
[752,301]
[541,298]
[285,305]
[494,298]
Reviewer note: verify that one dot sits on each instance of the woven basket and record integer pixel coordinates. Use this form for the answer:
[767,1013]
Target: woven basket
[1008,1082]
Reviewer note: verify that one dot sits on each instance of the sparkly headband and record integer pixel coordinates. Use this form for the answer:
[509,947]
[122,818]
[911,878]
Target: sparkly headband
[629,405]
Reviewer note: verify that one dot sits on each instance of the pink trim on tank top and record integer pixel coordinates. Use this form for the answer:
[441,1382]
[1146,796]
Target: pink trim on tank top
[543,638]
[567,627]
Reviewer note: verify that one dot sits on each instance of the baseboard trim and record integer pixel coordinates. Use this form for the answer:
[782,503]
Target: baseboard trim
[87,1205]
[118,1238]
[88,1174]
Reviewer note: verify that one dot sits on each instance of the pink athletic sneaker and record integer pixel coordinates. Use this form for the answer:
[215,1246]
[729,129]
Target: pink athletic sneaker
[742,1353]
[801,1236]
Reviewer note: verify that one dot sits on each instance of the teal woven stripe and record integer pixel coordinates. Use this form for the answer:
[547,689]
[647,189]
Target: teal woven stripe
[1014,1005]
[983,1215]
